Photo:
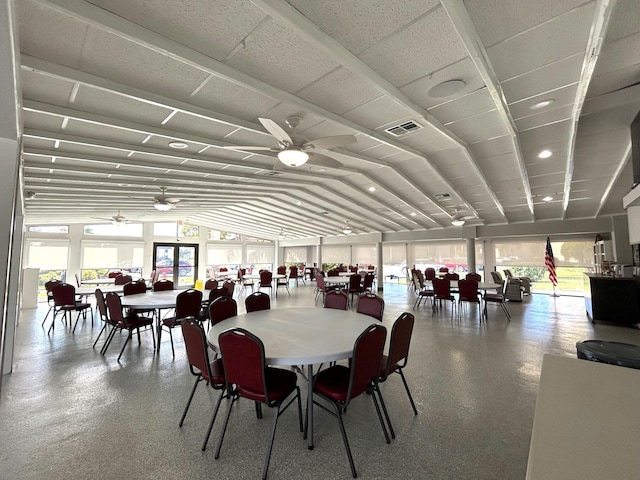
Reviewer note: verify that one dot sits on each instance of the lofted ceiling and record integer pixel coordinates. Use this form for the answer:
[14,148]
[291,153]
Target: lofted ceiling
[108,85]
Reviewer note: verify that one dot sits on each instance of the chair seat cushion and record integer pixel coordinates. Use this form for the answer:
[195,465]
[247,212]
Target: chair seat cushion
[172,322]
[333,383]
[134,321]
[280,383]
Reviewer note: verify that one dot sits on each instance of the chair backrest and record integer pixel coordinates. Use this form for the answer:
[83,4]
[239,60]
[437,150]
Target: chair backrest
[333,273]
[229,286]
[223,269]
[49,286]
[441,287]
[195,343]
[221,309]
[281,270]
[102,306]
[399,342]
[217,293]
[257,301]
[244,362]
[320,281]
[452,276]
[355,282]
[468,290]
[113,274]
[161,285]
[153,278]
[371,305]
[507,273]
[265,278]
[64,294]
[293,271]
[420,278]
[497,278]
[365,362]
[188,303]
[368,281]
[122,279]
[429,273]
[134,287]
[211,284]
[337,300]
[114,306]
[77,280]
[474,276]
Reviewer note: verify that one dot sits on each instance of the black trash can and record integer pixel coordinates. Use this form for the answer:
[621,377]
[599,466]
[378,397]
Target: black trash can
[614,353]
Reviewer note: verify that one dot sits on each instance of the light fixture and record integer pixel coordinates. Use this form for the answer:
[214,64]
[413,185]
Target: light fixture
[548,198]
[545,154]
[346,230]
[542,104]
[178,145]
[372,189]
[446,89]
[293,157]
[163,207]
[457,222]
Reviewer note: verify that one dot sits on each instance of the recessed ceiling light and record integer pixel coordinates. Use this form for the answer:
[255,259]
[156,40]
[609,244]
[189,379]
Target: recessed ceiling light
[372,189]
[545,154]
[542,104]
[548,198]
[446,89]
[178,145]
[413,214]
[298,203]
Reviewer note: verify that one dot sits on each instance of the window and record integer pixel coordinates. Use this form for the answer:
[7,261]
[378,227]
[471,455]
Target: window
[98,258]
[452,255]
[187,231]
[50,257]
[260,255]
[394,260]
[364,255]
[48,228]
[295,255]
[228,236]
[257,240]
[333,255]
[117,230]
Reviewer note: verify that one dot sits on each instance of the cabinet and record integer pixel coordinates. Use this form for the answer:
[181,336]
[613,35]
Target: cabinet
[602,252]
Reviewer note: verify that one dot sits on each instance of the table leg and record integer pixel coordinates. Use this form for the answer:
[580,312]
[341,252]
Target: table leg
[310,407]
[158,328]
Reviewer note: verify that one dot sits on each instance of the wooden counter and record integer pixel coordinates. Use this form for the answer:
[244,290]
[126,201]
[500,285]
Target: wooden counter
[612,299]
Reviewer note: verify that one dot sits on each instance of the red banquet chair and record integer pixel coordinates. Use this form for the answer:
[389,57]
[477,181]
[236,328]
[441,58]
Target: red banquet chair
[257,301]
[371,305]
[248,376]
[188,305]
[337,300]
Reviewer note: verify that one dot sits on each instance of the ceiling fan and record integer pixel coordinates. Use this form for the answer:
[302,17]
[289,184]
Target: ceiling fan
[296,151]
[163,202]
[458,219]
[348,229]
[116,219]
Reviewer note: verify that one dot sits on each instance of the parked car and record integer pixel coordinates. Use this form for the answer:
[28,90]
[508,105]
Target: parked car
[164,267]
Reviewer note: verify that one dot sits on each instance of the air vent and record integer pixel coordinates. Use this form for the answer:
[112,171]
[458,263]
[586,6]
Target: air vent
[273,173]
[403,128]
[442,196]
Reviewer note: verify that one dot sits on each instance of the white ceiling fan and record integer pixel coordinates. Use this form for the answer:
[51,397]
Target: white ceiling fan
[348,229]
[163,202]
[116,219]
[458,219]
[296,151]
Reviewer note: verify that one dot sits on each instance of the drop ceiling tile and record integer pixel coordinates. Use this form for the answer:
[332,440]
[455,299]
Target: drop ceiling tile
[117,106]
[465,106]
[43,88]
[542,119]
[378,113]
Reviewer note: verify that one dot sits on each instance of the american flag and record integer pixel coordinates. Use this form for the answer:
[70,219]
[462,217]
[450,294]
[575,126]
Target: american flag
[550,263]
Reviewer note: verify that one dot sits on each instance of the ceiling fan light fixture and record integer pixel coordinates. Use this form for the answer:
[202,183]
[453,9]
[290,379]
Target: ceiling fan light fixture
[346,230]
[292,157]
[163,207]
[457,222]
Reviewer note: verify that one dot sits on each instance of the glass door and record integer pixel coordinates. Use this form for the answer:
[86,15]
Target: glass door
[177,262]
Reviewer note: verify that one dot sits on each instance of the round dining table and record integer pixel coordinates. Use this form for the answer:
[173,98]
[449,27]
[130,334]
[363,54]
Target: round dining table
[160,300]
[300,336]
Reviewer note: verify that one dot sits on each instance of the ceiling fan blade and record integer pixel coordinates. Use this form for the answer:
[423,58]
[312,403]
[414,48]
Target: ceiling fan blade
[326,143]
[323,161]
[276,130]
[239,147]
[171,200]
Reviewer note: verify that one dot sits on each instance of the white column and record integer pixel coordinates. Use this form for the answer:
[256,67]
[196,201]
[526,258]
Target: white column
[380,272]
[471,254]
[11,199]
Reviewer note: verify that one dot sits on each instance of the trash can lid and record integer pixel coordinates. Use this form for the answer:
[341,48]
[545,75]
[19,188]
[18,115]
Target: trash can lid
[615,353]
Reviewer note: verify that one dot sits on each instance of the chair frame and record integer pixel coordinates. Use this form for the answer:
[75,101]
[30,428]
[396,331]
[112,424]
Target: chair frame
[188,304]
[462,283]
[336,299]
[64,299]
[369,298]
[129,323]
[256,302]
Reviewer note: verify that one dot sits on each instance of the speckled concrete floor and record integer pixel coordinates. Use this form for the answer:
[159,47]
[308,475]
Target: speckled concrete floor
[69,412]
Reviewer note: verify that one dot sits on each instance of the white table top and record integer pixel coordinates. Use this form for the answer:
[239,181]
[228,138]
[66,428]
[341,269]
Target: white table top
[105,289]
[98,281]
[151,299]
[481,285]
[586,421]
[300,336]
[346,274]
[336,280]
